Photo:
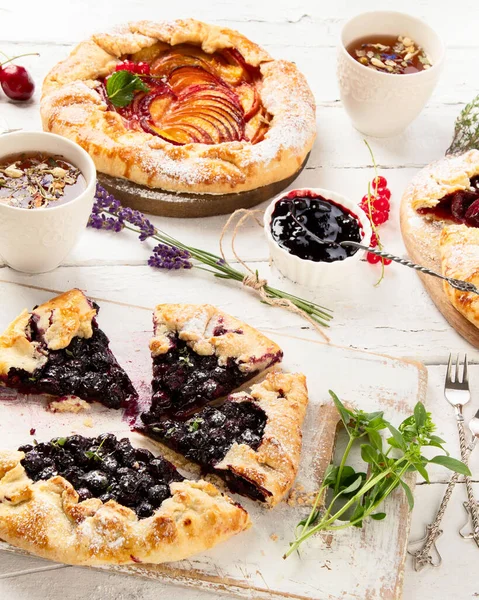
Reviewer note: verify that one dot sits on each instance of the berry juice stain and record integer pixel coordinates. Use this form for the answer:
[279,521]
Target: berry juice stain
[326,219]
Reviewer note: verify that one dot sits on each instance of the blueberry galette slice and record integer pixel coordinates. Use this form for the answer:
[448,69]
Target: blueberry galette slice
[58,349]
[252,441]
[201,354]
[93,501]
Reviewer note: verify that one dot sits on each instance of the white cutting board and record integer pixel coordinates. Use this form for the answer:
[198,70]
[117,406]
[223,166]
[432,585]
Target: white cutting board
[361,564]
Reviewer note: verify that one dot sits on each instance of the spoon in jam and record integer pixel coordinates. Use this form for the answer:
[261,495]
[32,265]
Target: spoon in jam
[458,284]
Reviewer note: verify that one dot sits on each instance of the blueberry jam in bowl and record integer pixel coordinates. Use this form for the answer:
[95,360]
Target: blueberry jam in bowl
[326,214]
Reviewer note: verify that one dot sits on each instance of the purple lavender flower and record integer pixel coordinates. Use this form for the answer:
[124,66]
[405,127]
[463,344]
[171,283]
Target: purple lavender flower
[169,257]
[101,221]
[137,219]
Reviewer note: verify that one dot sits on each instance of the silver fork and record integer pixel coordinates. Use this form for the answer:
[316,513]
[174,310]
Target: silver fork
[457,393]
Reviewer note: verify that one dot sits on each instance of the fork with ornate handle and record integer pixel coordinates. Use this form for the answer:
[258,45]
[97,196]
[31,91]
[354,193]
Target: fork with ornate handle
[457,393]
[463,286]
[471,505]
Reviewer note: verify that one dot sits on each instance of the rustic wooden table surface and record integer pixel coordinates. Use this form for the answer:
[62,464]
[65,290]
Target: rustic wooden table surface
[396,318]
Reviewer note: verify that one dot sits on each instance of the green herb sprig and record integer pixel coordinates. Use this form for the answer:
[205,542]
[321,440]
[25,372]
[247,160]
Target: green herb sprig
[95,454]
[358,495]
[121,87]
[466,129]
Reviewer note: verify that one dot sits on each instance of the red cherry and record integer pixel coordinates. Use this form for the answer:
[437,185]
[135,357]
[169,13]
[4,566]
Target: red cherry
[143,68]
[372,259]
[379,182]
[387,261]
[16,82]
[374,241]
[384,193]
[382,204]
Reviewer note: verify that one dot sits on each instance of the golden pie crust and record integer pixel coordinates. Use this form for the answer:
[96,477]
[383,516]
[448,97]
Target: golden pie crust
[196,324]
[274,465]
[71,106]
[59,320]
[459,246]
[45,518]
[440,178]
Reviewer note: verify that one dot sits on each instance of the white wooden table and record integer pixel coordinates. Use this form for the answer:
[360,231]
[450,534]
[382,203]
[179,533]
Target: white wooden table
[397,318]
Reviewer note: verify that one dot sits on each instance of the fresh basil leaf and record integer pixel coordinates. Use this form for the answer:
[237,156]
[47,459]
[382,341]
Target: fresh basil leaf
[357,514]
[343,411]
[375,439]
[420,415]
[330,475]
[438,445]
[369,454]
[437,439]
[347,473]
[354,486]
[451,463]
[68,352]
[409,496]
[121,87]
[397,436]
[421,470]
[378,516]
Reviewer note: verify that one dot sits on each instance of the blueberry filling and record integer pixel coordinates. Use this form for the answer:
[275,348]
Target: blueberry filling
[104,468]
[184,381]
[324,218]
[207,436]
[86,368]
[461,206]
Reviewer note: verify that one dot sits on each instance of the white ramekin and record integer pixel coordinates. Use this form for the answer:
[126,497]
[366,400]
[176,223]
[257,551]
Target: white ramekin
[383,104]
[37,240]
[309,272]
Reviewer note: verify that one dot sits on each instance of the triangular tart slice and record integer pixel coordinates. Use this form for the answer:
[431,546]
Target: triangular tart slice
[252,441]
[94,501]
[201,354]
[58,349]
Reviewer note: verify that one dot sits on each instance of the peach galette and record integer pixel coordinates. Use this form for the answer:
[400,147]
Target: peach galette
[183,106]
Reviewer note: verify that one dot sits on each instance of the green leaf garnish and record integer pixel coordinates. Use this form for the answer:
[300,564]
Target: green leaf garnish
[357,495]
[121,87]
[59,442]
[195,424]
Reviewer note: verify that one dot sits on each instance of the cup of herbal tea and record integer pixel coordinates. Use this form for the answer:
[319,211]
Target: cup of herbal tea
[47,186]
[388,66]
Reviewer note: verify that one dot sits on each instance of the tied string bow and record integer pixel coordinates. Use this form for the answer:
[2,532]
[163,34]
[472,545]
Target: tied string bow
[252,279]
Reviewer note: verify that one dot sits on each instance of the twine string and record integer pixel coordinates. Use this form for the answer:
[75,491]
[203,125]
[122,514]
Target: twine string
[252,279]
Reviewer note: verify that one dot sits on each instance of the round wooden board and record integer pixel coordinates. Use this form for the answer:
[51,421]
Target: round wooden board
[172,204]
[421,238]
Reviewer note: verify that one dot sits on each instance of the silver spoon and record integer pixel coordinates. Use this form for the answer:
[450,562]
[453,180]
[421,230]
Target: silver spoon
[463,286]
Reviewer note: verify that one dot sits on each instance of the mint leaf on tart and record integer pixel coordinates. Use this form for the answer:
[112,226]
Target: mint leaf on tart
[121,87]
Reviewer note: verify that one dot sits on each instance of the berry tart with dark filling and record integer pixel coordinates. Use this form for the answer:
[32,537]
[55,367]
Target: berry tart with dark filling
[92,501]
[201,354]
[252,441]
[183,106]
[58,349]
[440,218]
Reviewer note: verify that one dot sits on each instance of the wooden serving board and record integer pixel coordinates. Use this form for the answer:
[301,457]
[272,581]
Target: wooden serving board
[421,236]
[171,204]
[355,564]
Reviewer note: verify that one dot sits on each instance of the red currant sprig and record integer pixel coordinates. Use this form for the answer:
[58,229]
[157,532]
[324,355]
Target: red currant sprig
[376,205]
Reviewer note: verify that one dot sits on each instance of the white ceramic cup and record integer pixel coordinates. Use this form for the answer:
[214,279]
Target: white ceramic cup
[38,240]
[308,272]
[383,104]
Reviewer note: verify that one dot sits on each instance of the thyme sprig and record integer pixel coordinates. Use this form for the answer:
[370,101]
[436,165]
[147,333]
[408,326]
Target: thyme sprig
[358,495]
[466,129]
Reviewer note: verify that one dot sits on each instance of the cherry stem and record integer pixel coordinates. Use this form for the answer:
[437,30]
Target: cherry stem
[19,56]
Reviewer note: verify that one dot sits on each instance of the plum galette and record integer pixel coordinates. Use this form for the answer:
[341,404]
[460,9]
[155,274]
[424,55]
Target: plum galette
[58,349]
[252,440]
[201,354]
[182,106]
[93,501]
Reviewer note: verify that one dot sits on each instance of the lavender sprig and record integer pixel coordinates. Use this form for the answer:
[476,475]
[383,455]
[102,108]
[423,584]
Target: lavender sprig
[170,253]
